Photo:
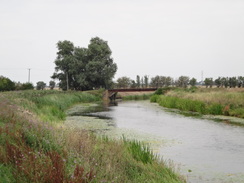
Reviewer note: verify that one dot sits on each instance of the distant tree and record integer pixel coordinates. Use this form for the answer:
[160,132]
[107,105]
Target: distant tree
[193,82]
[146,81]
[208,82]
[182,81]
[168,81]
[27,86]
[18,85]
[217,82]
[225,82]
[240,81]
[40,85]
[133,84]
[52,84]
[155,82]
[138,81]
[233,82]
[6,84]
[142,82]
[124,82]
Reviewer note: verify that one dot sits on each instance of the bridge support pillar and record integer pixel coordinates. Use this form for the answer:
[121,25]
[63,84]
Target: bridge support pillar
[106,95]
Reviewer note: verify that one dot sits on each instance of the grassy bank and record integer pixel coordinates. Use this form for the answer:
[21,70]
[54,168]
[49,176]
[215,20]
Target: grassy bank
[36,148]
[137,97]
[217,101]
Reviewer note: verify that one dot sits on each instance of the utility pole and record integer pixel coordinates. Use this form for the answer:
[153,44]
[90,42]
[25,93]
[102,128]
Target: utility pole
[67,80]
[29,75]
[202,77]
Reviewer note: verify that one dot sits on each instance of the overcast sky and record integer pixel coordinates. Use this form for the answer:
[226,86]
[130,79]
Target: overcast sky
[147,37]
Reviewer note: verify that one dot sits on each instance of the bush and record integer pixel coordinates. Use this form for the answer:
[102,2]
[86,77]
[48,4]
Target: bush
[6,84]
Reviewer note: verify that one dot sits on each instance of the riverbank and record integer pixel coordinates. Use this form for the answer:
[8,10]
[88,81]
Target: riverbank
[216,101]
[36,147]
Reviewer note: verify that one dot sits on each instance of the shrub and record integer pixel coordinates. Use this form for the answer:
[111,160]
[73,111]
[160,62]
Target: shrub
[6,84]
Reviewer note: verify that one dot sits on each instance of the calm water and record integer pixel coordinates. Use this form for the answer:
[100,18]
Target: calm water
[204,150]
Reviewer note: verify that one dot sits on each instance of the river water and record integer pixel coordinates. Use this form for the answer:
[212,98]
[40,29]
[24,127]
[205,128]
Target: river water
[203,150]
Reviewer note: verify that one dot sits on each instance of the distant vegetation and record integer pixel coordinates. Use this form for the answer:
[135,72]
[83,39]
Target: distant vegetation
[182,81]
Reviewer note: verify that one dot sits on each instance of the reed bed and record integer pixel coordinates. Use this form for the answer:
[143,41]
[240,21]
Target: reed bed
[137,97]
[33,150]
[217,101]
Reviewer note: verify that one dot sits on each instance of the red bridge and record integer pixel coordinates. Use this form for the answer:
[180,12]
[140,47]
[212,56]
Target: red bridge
[112,93]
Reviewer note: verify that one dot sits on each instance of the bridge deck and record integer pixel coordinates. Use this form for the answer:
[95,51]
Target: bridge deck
[132,90]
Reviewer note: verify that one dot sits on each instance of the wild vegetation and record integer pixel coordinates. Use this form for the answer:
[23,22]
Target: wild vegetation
[137,97]
[217,101]
[37,147]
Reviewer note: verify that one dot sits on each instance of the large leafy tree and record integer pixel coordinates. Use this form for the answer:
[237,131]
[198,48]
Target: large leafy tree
[100,66]
[64,62]
[84,68]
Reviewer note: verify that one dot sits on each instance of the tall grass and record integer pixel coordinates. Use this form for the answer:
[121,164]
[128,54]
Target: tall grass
[205,101]
[137,97]
[35,151]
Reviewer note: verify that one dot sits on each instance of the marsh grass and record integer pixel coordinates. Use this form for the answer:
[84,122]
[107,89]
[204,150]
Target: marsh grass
[35,151]
[140,151]
[137,97]
[216,101]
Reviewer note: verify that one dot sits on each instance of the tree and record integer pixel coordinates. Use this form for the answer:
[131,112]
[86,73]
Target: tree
[193,82]
[233,82]
[138,81]
[133,84]
[168,81]
[84,68]
[208,82]
[240,81]
[155,82]
[124,82]
[52,84]
[64,63]
[27,86]
[40,85]
[182,81]
[100,67]
[218,82]
[225,82]
[146,81]
[6,84]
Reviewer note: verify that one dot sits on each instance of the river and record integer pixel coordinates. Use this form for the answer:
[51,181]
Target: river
[203,150]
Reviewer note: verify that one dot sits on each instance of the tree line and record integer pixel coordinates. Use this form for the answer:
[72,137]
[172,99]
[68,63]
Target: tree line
[8,85]
[182,81]
[140,82]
